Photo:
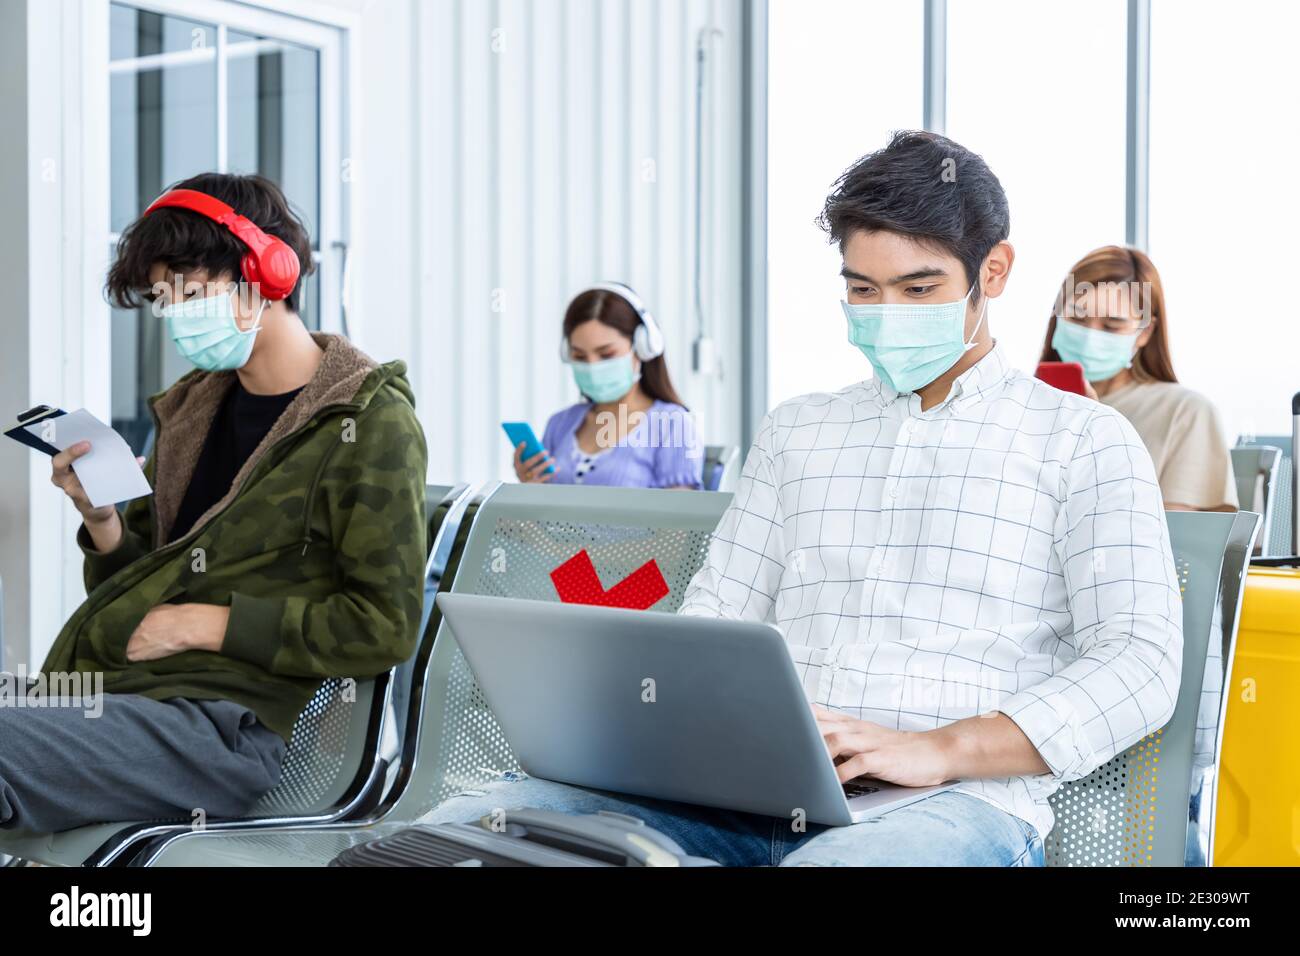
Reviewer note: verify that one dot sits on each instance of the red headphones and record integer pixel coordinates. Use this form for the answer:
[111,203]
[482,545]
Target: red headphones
[269,261]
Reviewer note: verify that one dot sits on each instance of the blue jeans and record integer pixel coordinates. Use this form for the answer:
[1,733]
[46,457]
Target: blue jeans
[947,829]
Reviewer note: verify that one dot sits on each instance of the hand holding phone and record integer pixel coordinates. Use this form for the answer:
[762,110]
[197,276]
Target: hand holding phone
[532,462]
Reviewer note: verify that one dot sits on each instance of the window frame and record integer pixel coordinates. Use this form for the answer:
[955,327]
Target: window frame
[327,41]
[757,399]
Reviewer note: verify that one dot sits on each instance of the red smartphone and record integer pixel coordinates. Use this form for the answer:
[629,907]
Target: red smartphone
[1067,376]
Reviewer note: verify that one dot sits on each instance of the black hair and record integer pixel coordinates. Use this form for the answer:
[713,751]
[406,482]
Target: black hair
[184,240]
[927,188]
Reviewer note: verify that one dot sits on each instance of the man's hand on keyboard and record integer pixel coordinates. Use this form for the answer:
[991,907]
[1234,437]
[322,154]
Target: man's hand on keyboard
[858,747]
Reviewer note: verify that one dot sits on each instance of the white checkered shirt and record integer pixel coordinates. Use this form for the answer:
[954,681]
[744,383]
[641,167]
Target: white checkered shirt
[1004,551]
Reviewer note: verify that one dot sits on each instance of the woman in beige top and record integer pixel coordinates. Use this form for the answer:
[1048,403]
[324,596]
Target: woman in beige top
[1110,318]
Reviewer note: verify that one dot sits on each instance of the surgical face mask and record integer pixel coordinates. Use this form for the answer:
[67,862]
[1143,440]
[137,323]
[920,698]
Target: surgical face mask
[606,380]
[1102,354]
[911,345]
[205,332]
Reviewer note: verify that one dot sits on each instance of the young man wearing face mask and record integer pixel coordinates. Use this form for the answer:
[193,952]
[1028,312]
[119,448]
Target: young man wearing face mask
[971,569]
[283,543]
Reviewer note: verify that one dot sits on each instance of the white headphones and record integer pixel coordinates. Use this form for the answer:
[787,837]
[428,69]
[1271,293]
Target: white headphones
[647,341]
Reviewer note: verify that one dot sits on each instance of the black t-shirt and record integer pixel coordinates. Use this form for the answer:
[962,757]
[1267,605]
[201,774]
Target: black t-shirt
[241,423]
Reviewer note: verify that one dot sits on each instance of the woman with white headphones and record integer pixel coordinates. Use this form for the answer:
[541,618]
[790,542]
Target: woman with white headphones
[630,429]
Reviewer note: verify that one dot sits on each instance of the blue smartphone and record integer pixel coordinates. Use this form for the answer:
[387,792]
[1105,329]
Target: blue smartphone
[523,432]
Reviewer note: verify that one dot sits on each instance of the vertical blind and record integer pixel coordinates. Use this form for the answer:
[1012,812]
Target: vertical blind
[557,149]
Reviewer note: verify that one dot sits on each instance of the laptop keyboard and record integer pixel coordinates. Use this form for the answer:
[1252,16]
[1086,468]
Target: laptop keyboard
[855,789]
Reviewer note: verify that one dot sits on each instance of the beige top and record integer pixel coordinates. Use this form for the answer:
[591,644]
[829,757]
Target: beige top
[1182,430]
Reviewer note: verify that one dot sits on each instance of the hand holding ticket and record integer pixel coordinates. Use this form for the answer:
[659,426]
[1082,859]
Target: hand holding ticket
[109,472]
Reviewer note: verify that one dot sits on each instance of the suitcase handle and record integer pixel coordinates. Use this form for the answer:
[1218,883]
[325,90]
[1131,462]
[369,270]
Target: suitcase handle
[625,837]
[1295,473]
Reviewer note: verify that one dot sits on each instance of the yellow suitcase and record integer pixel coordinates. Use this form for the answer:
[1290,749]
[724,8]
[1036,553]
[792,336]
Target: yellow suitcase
[1257,819]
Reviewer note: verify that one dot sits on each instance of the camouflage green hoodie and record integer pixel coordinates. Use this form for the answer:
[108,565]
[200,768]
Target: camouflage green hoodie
[318,548]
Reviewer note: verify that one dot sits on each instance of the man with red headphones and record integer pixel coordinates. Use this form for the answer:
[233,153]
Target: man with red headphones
[284,542]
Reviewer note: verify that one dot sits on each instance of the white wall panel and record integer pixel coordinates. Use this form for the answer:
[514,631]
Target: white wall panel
[556,141]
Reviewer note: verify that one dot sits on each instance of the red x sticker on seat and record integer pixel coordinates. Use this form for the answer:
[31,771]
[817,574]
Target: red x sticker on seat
[576,582]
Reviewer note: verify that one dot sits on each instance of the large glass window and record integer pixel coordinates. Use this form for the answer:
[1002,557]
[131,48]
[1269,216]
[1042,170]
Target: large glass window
[189,97]
[843,74]
[1038,90]
[1224,131]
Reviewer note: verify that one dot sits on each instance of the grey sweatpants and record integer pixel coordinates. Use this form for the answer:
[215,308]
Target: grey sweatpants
[138,759]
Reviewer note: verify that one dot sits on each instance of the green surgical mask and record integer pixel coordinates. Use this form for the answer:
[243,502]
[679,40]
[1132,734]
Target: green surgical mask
[606,380]
[909,345]
[1102,354]
[206,333]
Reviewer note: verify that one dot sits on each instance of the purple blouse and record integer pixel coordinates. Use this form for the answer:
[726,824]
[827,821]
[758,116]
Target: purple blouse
[663,451]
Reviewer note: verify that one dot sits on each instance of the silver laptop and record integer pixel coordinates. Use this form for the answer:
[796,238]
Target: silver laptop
[692,709]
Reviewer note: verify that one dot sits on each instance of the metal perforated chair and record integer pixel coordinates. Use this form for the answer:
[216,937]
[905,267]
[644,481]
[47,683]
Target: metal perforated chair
[333,770]
[330,772]
[1213,710]
[445,506]
[519,535]
[1134,810]
[1255,470]
[1281,524]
